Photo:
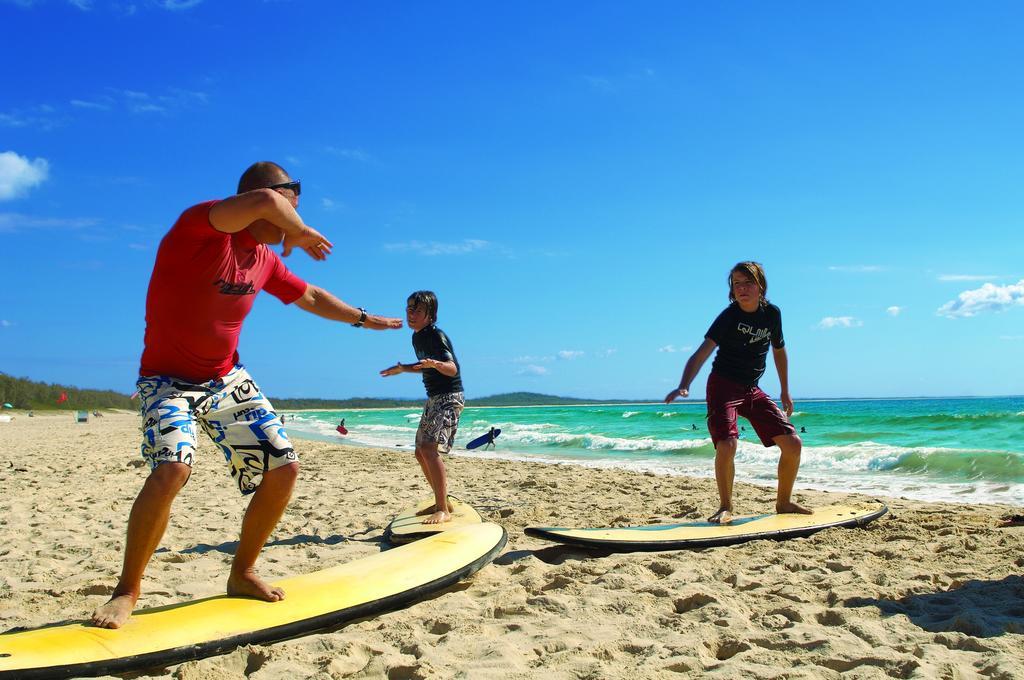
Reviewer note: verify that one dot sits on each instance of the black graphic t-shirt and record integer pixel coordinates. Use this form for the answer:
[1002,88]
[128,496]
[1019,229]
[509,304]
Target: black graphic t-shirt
[432,343]
[743,339]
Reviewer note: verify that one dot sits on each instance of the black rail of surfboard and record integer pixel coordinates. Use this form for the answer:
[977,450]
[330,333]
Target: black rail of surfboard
[168,657]
[548,534]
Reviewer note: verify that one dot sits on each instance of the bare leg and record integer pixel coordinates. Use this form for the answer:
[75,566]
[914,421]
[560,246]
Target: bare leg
[146,525]
[265,509]
[437,476]
[725,471]
[789,464]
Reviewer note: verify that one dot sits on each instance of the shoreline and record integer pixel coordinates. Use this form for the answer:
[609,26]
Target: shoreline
[929,590]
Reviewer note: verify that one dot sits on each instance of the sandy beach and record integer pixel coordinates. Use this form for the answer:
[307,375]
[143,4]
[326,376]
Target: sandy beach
[931,590]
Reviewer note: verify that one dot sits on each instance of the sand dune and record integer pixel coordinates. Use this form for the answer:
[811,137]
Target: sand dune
[931,590]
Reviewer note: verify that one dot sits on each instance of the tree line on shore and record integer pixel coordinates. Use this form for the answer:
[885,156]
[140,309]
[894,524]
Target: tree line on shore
[23,393]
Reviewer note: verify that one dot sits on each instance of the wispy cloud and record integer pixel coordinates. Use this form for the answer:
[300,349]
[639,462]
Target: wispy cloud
[350,154]
[605,353]
[611,84]
[988,298]
[672,349]
[41,117]
[4,323]
[840,322]
[18,174]
[464,247]
[856,268]
[94,105]
[529,359]
[967,277]
[178,5]
[569,354]
[11,222]
[534,370]
[894,310]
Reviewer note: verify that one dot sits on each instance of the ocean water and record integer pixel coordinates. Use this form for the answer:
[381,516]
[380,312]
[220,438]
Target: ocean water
[961,450]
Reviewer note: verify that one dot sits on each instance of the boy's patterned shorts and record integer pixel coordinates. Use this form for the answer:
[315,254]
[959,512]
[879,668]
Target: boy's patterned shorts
[440,420]
[232,411]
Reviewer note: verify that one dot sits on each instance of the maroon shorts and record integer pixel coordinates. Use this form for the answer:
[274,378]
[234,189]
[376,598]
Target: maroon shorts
[727,400]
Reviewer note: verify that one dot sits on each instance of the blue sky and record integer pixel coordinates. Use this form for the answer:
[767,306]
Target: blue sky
[574,180]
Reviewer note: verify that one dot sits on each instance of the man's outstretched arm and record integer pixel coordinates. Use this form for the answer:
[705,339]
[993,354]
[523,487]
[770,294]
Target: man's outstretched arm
[237,212]
[318,301]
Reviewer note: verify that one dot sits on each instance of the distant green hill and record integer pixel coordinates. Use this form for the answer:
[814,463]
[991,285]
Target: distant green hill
[510,399]
[29,394]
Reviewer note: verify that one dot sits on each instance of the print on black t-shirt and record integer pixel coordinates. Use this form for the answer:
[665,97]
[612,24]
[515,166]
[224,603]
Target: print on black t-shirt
[432,343]
[743,339]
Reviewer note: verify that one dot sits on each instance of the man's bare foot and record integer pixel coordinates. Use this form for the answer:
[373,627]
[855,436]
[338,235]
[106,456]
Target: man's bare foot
[116,611]
[438,518]
[723,516]
[430,510]
[247,584]
[792,508]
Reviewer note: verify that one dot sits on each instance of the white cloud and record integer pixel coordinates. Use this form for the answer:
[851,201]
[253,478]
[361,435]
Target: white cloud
[18,174]
[533,360]
[466,246]
[894,310]
[967,277]
[4,323]
[350,154]
[672,349]
[11,222]
[569,354]
[605,353]
[856,268]
[534,370]
[988,298]
[840,322]
[84,104]
[174,5]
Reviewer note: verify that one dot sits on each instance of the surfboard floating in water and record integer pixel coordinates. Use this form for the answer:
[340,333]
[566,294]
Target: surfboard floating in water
[192,630]
[708,535]
[483,439]
[408,526]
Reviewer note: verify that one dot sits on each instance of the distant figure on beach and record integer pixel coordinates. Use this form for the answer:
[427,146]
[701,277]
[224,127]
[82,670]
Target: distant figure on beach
[490,438]
[209,268]
[742,333]
[445,399]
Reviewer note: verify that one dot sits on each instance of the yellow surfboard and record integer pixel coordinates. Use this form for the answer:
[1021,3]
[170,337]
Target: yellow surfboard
[214,625]
[708,535]
[408,526]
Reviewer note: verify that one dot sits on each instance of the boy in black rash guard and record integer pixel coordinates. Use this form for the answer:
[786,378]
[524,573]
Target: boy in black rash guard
[443,380]
[742,333]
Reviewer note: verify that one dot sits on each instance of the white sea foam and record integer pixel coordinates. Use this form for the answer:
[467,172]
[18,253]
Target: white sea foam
[629,414]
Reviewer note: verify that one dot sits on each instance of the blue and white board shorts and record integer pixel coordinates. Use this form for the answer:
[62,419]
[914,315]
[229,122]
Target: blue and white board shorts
[231,410]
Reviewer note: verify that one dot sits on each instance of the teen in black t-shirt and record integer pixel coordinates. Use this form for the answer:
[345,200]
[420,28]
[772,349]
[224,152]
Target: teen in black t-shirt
[442,379]
[743,333]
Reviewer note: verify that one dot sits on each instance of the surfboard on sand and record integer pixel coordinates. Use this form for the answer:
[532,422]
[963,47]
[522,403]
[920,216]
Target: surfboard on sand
[192,630]
[408,526]
[483,439]
[708,535]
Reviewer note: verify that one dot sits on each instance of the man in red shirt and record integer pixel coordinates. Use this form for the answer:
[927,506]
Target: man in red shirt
[208,270]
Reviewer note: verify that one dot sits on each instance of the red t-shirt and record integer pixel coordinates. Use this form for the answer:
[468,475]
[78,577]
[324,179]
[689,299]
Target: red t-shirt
[203,285]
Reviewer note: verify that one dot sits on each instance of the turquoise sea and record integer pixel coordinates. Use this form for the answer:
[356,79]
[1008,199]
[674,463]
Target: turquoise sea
[969,450]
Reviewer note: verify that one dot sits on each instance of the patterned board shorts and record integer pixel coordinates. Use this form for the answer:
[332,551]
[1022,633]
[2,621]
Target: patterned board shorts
[232,411]
[440,420]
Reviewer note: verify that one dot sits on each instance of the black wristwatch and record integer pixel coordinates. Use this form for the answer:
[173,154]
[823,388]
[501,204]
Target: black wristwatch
[362,318]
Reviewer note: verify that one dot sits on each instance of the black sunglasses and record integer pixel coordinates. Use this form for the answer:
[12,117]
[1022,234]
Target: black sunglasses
[294,185]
